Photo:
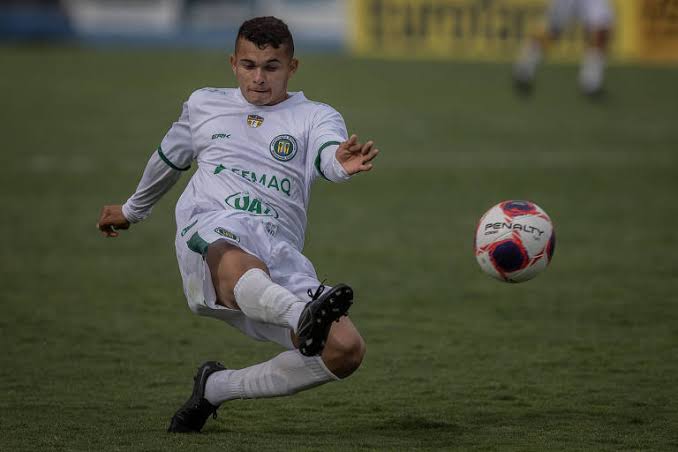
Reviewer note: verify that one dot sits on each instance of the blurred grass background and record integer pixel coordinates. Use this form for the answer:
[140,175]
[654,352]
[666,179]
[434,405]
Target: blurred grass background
[99,347]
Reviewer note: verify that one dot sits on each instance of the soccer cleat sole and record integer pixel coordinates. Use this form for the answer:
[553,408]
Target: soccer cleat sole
[330,308]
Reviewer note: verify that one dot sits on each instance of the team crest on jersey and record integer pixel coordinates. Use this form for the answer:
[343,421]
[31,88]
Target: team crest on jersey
[284,148]
[254,121]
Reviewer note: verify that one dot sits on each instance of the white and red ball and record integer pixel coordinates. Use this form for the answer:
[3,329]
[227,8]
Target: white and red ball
[514,241]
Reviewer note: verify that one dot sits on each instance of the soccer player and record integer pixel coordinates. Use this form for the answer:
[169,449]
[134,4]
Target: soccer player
[241,222]
[597,18]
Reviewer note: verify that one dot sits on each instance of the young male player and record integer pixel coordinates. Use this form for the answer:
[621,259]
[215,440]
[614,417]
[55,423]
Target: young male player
[597,18]
[241,222]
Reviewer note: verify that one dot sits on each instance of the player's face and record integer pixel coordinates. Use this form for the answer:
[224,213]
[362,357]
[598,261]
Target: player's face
[262,73]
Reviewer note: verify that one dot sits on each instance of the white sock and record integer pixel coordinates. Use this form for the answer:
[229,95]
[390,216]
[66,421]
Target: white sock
[591,71]
[525,67]
[286,374]
[261,299]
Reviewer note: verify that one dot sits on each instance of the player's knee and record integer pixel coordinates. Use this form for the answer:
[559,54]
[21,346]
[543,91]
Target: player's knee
[227,264]
[345,354]
[356,354]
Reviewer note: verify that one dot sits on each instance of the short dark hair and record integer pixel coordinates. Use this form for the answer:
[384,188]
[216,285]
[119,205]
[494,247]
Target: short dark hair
[264,31]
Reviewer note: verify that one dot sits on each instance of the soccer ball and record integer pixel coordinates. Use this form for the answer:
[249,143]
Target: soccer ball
[514,241]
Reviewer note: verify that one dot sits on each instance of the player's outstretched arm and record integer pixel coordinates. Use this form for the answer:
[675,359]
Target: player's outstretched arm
[356,157]
[111,219]
[157,179]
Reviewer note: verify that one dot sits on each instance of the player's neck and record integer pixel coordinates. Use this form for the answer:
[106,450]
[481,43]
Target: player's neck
[278,101]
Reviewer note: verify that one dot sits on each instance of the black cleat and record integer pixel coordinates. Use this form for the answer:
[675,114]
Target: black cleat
[523,87]
[318,315]
[192,415]
[595,95]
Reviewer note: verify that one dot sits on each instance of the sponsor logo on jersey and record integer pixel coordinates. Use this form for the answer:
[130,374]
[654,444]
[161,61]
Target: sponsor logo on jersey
[254,121]
[277,183]
[283,148]
[221,135]
[228,234]
[248,203]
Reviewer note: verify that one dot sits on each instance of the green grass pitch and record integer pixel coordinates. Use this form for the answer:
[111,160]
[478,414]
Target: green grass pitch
[99,347]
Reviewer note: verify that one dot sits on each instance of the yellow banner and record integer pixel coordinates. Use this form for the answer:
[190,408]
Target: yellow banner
[495,29]
[657,30]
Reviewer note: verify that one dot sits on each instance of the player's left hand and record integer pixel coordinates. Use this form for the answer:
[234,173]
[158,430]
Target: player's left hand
[111,219]
[355,156]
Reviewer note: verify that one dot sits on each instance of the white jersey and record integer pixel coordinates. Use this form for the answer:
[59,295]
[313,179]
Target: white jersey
[253,161]
[593,14]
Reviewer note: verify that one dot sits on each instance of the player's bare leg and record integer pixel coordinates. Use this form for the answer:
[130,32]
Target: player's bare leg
[241,281]
[345,348]
[228,264]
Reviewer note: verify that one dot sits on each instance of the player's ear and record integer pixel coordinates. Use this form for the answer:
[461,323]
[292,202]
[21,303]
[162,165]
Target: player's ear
[294,65]
[233,61]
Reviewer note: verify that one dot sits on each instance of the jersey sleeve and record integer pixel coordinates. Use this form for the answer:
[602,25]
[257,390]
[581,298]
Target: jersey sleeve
[327,132]
[176,148]
[163,170]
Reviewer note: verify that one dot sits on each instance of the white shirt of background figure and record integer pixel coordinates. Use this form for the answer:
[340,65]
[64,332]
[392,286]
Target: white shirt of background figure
[597,19]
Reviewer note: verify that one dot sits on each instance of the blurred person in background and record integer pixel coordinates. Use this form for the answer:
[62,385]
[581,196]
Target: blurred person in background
[241,222]
[597,18]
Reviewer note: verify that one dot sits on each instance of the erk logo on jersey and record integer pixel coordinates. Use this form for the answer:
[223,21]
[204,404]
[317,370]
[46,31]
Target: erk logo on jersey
[254,121]
[283,148]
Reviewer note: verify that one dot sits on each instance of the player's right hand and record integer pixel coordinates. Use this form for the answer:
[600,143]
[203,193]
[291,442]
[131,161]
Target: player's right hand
[355,156]
[111,219]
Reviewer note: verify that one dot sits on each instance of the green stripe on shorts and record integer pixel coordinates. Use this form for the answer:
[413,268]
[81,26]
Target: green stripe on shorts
[197,244]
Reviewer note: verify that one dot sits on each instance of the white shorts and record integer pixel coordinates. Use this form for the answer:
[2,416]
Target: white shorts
[287,267]
[593,14]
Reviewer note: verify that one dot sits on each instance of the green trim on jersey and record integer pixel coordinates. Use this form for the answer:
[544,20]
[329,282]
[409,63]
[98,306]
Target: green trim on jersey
[317,159]
[170,164]
[197,244]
